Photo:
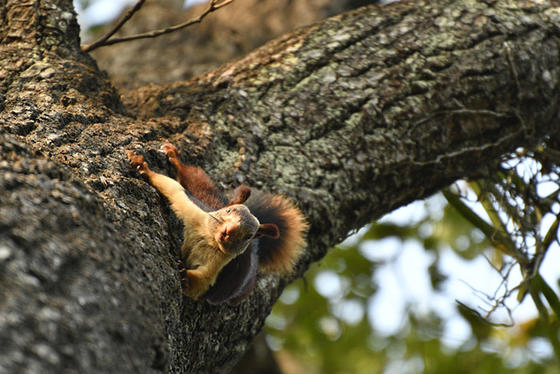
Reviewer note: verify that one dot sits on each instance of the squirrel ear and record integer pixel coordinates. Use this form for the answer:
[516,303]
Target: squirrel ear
[240,195]
[268,229]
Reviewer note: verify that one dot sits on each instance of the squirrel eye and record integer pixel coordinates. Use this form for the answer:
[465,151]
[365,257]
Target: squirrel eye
[228,210]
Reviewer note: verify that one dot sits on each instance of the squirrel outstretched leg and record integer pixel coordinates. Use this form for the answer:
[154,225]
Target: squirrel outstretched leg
[194,179]
[197,280]
[181,205]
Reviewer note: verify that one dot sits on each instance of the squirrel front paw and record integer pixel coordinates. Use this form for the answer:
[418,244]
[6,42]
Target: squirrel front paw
[138,162]
[170,150]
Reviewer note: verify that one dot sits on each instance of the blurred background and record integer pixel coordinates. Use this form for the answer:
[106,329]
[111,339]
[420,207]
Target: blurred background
[466,281]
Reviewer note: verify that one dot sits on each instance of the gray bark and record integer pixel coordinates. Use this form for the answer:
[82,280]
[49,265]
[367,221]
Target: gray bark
[352,117]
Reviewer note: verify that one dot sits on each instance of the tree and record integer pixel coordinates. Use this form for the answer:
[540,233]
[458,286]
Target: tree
[352,117]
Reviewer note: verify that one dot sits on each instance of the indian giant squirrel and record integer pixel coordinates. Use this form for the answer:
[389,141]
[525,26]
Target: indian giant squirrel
[224,241]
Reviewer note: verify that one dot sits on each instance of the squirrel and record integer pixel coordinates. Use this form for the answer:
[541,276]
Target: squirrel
[224,241]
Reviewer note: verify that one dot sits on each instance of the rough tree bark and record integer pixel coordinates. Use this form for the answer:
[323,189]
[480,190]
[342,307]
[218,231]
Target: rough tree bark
[352,117]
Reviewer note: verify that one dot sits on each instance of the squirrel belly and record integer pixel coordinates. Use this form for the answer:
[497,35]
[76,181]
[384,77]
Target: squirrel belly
[226,241]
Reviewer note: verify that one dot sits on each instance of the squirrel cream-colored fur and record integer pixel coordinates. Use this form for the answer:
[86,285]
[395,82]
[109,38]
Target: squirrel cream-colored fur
[224,241]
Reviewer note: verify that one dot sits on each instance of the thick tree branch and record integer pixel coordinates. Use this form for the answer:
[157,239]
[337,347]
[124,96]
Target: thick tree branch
[389,103]
[351,117]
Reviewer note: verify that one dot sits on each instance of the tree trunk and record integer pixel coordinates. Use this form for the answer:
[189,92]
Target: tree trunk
[352,117]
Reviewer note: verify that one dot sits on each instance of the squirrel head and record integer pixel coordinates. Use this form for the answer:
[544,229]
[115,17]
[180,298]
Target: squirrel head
[235,227]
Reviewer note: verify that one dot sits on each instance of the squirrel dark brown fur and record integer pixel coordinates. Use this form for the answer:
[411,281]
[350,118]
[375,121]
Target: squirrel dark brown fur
[224,240]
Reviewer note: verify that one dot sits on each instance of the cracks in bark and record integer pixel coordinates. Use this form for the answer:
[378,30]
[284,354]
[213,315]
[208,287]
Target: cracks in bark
[328,57]
[312,69]
[355,161]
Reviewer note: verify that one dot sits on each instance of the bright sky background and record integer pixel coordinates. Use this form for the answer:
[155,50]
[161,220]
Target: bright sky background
[406,282]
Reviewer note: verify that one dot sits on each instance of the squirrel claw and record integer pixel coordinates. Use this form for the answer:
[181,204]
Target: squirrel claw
[170,150]
[138,162]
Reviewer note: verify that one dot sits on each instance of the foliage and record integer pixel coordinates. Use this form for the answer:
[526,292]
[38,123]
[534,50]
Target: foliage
[510,218]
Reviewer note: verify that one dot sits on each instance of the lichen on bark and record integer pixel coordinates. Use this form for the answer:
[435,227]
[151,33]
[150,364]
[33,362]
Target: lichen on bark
[352,117]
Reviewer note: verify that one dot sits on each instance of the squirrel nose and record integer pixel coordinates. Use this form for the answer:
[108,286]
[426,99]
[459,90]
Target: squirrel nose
[226,232]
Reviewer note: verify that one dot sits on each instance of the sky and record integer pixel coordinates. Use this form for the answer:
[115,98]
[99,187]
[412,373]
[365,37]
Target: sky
[405,281]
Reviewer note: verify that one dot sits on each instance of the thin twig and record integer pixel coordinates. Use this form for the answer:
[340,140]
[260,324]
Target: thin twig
[499,239]
[214,5]
[101,41]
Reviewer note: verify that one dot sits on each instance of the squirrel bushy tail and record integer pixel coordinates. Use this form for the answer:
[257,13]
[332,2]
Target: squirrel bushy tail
[278,255]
